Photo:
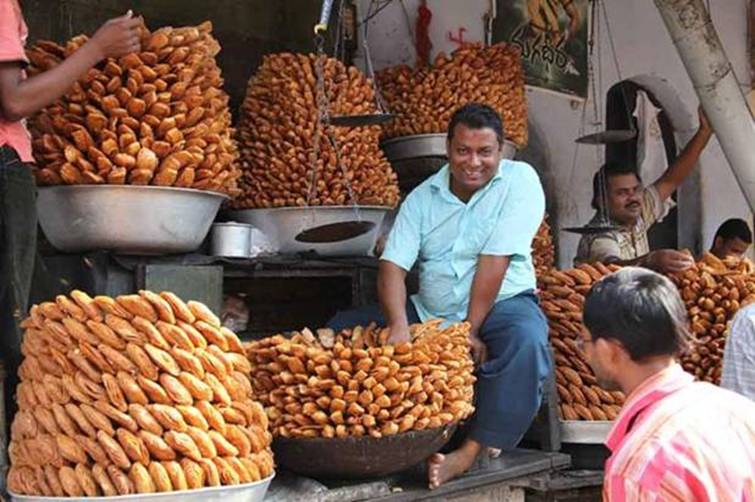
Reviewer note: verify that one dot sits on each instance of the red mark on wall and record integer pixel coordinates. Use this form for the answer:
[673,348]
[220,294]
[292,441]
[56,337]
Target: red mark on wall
[457,38]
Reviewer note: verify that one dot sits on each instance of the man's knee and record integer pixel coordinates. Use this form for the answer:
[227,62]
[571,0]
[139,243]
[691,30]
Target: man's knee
[523,324]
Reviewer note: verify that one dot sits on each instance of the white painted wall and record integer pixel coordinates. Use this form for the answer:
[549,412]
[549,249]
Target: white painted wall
[645,53]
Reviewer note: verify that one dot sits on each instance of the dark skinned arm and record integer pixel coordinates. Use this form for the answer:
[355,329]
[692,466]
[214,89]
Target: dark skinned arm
[392,294]
[20,98]
[487,282]
[661,260]
[683,165]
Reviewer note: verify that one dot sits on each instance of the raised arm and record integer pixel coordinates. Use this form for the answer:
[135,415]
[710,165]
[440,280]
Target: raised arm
[685,162]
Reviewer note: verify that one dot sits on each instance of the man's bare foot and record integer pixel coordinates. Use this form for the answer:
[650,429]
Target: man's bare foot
[442,468]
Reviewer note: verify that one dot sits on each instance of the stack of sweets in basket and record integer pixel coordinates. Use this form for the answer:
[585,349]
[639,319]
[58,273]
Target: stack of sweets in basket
[136,394]
[353,384]
[713,291]
[154,117]
[287,161]
[562,295]
[543,251]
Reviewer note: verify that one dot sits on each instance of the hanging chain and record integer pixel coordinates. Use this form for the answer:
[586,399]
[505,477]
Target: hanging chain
[322,114]
[322,97]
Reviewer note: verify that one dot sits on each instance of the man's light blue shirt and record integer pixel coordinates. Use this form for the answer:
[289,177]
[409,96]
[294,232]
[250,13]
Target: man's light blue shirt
[447,237]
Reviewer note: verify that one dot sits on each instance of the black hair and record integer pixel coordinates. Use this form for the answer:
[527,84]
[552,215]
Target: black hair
[608,171]
[640,309]
[477,116]
[734,227]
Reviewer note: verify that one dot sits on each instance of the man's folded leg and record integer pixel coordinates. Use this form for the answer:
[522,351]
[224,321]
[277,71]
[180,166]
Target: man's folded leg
[510,383]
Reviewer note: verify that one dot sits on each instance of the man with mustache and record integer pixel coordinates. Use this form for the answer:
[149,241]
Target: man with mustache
[469,228]
[635,209]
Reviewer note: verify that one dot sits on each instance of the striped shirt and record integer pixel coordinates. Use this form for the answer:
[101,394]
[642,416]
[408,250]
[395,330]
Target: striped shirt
[739,354]
[625,243]
[680,440]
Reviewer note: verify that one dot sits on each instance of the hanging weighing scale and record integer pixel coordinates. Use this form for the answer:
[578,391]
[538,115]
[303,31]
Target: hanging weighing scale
[382,115]
[340,230]
[603,221]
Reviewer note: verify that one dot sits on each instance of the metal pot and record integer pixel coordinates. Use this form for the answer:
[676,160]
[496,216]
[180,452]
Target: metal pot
[231,239]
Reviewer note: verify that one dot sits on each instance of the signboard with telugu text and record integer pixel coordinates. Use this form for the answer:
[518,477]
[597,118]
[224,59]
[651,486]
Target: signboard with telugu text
[552,36]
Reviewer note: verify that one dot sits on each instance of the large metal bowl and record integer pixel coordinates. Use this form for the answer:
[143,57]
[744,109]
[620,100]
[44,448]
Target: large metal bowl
[283,225]
[140,220]
[427,145]
[249,492]
[359,457]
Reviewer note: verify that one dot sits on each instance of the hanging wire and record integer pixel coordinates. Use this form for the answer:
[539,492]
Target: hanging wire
[591,79]
[630,122]
[379,101]
[408,22]
[371,14]
[339,48]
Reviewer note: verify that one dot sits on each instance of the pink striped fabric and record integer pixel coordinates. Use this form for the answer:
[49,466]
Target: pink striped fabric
[680,440]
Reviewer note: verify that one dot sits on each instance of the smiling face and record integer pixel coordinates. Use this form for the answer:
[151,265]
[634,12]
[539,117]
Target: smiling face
[473,157]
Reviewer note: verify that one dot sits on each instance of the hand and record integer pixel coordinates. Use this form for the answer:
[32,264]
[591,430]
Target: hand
[117,37]
[704,123]
[399,333]
[478,348]
[668,260]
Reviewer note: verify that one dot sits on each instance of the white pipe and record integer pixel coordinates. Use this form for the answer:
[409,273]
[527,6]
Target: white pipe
[695,37]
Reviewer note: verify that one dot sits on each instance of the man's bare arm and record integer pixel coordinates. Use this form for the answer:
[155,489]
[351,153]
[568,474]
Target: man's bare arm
[20,98]
[685,162]
[488,278]
[392,296]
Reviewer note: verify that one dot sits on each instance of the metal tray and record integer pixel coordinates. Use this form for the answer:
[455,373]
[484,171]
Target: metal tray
[250,492]
[127,219]
[585,431]
[427,145]
[359,457]
[283,225]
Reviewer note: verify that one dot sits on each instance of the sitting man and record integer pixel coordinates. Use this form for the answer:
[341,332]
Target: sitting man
[675,439]
[732,239]
[470,228]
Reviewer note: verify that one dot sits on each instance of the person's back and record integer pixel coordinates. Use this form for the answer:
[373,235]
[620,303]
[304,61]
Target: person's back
[687,441]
